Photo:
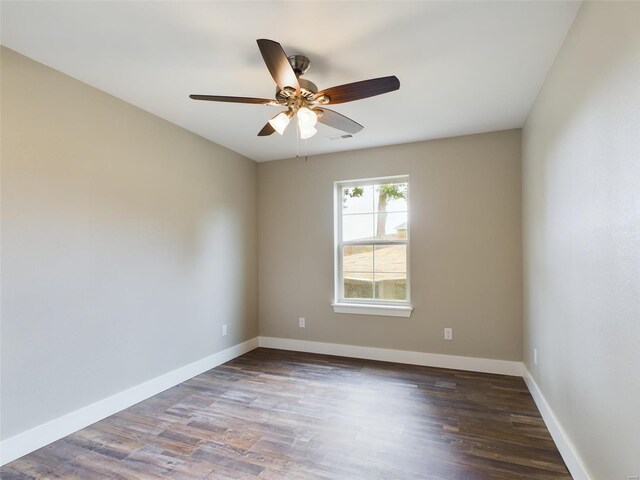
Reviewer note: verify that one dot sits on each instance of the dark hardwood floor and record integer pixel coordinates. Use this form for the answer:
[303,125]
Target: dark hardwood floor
[272,414]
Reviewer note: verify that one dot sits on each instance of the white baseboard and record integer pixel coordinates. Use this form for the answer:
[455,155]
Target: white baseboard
[26,442]
[486,365]
[560,437]
[29,441]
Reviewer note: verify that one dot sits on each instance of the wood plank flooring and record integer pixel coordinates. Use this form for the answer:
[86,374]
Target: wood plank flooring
[272,414]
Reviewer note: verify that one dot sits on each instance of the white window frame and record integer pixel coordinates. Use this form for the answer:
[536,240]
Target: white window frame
[368,306]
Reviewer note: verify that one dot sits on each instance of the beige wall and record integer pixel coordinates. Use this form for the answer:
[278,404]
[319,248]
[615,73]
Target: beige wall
[126,243]
[465,252]
[581,146]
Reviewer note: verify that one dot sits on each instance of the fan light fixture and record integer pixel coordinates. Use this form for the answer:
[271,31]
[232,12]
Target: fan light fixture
[307,132]
[307,119]
[280,121]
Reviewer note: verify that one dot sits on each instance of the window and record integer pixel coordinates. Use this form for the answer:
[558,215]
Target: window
[372,247]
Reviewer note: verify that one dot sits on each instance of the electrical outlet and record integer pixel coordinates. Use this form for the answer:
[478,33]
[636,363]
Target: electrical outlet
[535,356]
[224,329]
[448,333]
[301,322]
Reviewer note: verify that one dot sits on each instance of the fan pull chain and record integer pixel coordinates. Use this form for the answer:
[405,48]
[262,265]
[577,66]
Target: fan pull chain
[306,157]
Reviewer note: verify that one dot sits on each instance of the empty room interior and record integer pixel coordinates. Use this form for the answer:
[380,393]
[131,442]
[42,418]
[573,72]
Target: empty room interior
[320,240]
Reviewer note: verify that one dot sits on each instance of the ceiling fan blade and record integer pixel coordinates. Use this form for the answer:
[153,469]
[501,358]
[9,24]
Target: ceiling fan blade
[358,90]
[219,98]
[266,130]
[278,64]
[337,120]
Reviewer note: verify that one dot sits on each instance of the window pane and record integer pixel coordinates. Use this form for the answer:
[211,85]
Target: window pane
[391,286]
[391,197]
[390,272]
[371,213]
[357,200]
[357,259]
[390,226]
[390,259]
[358,285]
[357,227]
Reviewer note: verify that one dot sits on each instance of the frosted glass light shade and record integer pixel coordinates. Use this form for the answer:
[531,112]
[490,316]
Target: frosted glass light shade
[307,132]
[307,118]
[280,122]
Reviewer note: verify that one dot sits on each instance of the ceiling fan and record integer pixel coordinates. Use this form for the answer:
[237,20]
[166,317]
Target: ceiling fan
[301,97]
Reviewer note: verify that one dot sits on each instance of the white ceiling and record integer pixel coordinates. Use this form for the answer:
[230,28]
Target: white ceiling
[464,67]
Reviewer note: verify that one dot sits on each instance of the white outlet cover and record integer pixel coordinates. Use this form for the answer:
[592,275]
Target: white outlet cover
[301,322]
[448,333]
[224,330]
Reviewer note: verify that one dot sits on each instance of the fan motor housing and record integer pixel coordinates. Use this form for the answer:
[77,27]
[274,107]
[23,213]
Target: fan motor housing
[307,91]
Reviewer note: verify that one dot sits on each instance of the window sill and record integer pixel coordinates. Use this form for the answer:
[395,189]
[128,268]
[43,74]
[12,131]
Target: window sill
[372,309]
